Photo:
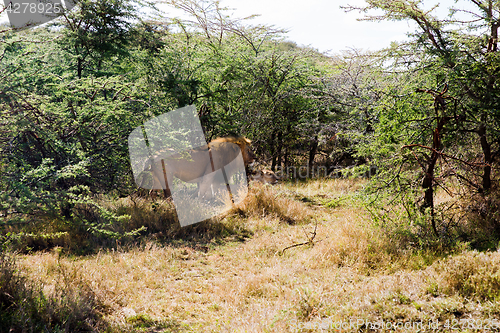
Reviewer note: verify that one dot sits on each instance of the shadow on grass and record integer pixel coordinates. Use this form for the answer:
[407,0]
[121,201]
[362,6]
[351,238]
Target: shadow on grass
[139,220]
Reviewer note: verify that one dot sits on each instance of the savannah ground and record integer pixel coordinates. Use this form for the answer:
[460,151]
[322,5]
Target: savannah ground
[241,277]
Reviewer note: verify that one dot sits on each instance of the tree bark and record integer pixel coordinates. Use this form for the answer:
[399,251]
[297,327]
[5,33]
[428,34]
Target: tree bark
[273,151]
[280,148]
[485,146]
[312,152]
[428,182]
[80,67]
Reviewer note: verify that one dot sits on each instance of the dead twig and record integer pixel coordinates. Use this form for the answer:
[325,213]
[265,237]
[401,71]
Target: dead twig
[310,240]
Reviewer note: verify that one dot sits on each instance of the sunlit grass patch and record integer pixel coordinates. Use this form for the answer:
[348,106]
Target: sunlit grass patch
[239,273]
[471,274]
[265,200]
[326,187]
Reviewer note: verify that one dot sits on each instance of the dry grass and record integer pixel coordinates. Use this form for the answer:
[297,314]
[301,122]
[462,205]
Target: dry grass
[264,200]
[64,303]
[471,274]
[352,272]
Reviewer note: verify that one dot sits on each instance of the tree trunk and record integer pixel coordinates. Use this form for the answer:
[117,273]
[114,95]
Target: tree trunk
[312,152]
[273,151]
[428,182]
[280,148]
[80,67]
[487,158]
[286,157]
[287,146]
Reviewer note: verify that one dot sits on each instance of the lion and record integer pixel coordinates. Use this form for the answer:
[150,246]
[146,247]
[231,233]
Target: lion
[265,176]
[193,164]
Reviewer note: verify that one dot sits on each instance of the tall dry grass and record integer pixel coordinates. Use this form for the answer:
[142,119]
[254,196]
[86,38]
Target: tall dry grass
[28,304]
[264,200]
[470,274]
[242,275]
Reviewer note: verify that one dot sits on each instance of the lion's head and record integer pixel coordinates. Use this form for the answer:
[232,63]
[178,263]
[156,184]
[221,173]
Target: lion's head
[265,176]
[244,144]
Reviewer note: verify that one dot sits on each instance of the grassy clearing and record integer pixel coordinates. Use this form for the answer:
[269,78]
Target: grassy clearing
[232,275]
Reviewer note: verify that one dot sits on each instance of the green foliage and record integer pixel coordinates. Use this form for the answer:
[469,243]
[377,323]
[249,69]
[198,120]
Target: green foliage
[62,142]
[95,32]
[437,125]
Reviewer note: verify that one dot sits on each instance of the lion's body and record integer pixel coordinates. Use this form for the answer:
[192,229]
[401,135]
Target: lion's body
[196,163]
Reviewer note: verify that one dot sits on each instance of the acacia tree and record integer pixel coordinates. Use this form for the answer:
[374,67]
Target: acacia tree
[245,79]
[465,60]
[350,92]
[96,31]
[61,137]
